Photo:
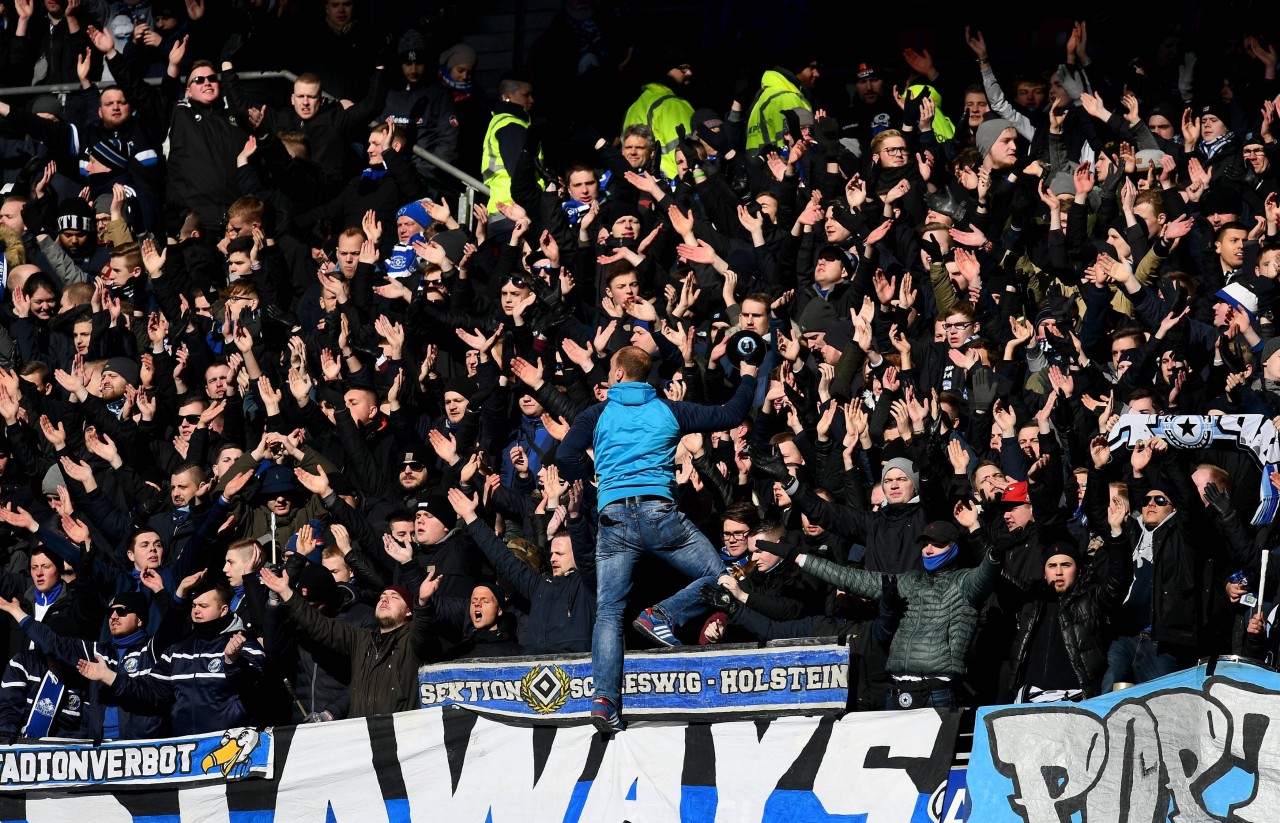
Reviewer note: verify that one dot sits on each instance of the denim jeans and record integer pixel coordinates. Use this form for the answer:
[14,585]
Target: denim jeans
[627,530]
[1136,660]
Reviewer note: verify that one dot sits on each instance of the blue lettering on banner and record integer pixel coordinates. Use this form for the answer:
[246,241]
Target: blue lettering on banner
[1187,747]
[669,684]
[232,755]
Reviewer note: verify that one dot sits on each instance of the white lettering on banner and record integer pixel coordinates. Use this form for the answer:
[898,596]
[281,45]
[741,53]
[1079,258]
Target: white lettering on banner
[1150,753]
[331,764]
[30,766]
[496,756]
[653,762]
[742,792]
[847,783]
[784,678]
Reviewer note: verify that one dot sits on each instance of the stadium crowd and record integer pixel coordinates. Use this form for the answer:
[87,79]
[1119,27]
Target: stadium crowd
[280,426]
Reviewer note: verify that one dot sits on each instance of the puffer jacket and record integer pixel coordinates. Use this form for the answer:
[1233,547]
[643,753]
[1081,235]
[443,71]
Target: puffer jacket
[1083,611]
[942,610]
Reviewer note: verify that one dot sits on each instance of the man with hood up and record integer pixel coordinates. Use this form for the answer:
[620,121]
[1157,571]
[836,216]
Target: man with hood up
[781,90]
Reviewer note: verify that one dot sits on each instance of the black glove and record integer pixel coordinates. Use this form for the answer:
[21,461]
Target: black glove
[719,599]
[889,595]
[911,110]
[767,464]
[1219,501]
[787,548]
[982,381]
[826,133]
[744,91]
[805,411]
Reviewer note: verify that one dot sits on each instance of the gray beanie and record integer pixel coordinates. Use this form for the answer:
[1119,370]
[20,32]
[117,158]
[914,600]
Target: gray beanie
[52,480]
[988,133]
[905,466]
[1272,346]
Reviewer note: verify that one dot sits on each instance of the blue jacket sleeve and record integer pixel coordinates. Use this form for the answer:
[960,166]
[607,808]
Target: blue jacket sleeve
[694,417]
[571,457]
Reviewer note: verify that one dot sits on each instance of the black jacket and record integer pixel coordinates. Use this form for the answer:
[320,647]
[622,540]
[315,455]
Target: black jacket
[1083,612]
[562,609]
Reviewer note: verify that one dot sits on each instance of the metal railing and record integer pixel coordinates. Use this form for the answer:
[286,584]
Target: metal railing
[470,185]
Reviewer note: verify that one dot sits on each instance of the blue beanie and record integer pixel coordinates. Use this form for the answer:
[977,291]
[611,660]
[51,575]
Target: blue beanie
[415,211]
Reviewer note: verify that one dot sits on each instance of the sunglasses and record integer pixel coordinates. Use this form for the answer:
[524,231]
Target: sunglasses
[414,466]
[1158,499]
[205,78]
[120,611]
[191,419]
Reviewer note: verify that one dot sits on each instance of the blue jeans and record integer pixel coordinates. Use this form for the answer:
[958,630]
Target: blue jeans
[1136,660]
[628,530]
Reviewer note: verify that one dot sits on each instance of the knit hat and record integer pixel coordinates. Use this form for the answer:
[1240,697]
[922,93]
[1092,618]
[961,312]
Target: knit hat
[110,155]
[75,215]
[905,466]
[1221,200]
[618,209]
[124,367]
[1066,547]
[403,593]
[412,48]
[818,316]
[456,55]
[316,584]
[1272,346]
[102,203]
[453,242]
[704,120]
[1062,183]
[438,507]
[498,593]
[1218,109]
[47,104]
[465,386]
[52,480]
[988,133]
[416,212]
[1239,295]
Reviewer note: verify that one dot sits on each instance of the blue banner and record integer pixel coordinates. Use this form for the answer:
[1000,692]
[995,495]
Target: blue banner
[1197,745]
[676,683]
[232,755]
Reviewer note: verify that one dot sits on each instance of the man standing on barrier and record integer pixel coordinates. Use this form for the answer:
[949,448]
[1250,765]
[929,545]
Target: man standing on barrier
[634,434]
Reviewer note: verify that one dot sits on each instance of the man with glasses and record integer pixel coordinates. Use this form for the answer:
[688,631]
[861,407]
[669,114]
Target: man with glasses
[130,650]
[739,520]
[1159,625]
[1260,172]
[203,145]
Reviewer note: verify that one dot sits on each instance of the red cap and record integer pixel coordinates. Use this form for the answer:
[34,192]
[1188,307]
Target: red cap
[1016,493]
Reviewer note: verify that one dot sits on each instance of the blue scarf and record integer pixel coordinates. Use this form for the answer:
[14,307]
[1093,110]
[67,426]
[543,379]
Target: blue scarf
[373,174]
[456,85]
[122,644]
[46,599]
[239,595]
[937,561]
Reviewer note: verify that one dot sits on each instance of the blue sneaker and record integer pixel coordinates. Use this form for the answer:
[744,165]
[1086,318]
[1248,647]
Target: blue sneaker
[605,716]
[656,627]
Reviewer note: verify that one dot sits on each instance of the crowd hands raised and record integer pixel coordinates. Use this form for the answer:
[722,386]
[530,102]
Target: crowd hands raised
[280,427]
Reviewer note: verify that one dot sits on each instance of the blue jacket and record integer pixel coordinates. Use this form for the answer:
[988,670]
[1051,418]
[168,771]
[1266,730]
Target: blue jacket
[205,693]
[134,722]
[635,433]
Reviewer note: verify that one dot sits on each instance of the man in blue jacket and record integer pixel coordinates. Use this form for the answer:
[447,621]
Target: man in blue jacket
[634,434]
